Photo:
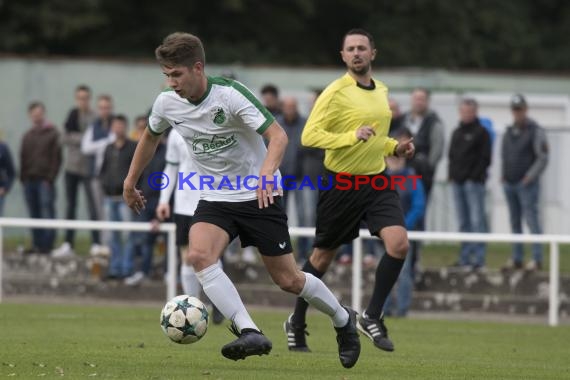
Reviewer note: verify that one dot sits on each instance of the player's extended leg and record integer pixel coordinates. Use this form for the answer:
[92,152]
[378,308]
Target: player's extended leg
[207,242]
[295,326]
[284,272]
[371,323]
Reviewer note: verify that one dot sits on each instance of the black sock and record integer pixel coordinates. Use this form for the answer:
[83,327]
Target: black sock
[386,276]
[298,318]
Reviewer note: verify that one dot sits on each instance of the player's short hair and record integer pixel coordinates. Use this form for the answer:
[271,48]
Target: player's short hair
[180,49]
[83,87]
[359,31]
[471,102]
[122,118]
[36,104]
[270,89]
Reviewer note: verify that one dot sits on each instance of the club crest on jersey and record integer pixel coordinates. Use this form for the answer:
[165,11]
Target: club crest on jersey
[218,115]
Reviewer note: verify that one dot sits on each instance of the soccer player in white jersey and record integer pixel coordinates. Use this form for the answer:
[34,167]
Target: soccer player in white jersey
[185,201]
[223,124]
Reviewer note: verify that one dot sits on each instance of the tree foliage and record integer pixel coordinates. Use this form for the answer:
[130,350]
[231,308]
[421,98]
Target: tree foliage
[487,34]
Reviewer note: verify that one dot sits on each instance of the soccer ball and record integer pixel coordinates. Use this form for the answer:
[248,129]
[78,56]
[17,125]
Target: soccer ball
[184,319]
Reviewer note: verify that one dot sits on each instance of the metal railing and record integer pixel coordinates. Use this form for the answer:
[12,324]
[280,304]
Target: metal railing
[169,228]
[553,240]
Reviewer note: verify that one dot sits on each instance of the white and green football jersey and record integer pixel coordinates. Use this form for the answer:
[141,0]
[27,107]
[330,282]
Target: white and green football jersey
[222,131]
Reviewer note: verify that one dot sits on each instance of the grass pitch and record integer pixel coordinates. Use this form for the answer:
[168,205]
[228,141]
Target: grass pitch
[120,342]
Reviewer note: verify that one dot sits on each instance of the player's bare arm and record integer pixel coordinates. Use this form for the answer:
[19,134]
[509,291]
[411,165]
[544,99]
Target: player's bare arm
[143,154]
[276,148]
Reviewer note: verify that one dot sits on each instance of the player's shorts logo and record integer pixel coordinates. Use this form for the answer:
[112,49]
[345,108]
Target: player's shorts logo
[218,115]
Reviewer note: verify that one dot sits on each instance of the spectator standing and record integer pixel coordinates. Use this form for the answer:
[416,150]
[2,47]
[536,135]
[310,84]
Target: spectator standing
[293,124]
[469,159]
[93,144]
[142,243]
[116,161]
[525,156]
[76,171]
[428,132]
[397,116]
[270,99]
[40,160]
[413,201]
[7,173]
[139,127]
[293,166]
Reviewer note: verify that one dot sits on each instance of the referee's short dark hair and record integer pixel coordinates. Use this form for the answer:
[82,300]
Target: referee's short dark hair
[359,31]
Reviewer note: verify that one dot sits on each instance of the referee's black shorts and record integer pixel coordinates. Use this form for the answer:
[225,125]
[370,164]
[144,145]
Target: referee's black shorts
[264,228]
[339,212]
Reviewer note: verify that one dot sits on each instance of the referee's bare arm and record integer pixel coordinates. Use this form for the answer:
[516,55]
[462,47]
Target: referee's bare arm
[143,154]
[275,149]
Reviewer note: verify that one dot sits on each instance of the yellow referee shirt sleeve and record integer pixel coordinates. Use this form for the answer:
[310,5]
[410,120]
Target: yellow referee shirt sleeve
[390,146]
[317,133]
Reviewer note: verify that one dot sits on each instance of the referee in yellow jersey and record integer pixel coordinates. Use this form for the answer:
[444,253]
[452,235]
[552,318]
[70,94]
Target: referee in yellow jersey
[350,120]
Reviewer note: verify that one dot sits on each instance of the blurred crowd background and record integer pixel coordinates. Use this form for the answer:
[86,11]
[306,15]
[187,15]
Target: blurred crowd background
[435,56]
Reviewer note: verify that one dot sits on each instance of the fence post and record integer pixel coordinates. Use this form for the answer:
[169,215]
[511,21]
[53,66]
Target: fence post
[172,261]
[357,274]
[554,288]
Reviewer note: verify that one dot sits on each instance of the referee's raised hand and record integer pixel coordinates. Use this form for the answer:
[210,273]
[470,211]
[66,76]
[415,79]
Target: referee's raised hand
[365,132]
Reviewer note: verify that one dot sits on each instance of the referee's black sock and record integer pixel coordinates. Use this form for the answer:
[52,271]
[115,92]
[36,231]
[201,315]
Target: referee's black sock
[298,318]
[386,276]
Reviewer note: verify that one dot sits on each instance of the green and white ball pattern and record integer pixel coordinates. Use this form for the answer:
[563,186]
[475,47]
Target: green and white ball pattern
[184,319]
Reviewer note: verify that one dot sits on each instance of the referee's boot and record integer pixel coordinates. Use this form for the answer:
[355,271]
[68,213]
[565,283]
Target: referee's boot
[249,342]
[348,341]
[296,336]
[376,330]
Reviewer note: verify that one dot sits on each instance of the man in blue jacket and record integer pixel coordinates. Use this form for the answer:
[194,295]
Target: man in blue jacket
[413,200]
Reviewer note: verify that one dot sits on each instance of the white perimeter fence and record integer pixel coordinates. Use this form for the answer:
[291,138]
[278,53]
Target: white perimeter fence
[553,240]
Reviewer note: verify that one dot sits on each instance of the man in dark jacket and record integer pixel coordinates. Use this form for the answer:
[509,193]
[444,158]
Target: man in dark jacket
[525,155]
[469,158]
[298,162]
[428,131]
[40,159]
[7,173]
[116,162]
